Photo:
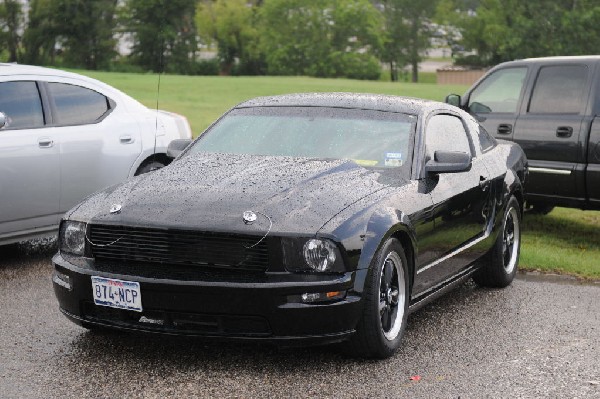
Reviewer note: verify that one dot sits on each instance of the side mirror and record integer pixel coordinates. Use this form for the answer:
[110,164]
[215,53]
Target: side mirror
[176,147]
[453,99]
[479,108]
[2,120]
[449,162]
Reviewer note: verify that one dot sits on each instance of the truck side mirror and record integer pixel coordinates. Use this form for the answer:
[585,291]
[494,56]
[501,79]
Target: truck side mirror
[2,120]
[453,99]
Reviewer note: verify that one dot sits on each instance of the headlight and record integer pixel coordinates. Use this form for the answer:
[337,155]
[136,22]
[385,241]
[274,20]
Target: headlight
[72,237]
[319,254]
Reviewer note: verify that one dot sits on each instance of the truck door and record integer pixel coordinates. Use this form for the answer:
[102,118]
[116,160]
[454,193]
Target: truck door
[496,99]
[549,129]
[593,169]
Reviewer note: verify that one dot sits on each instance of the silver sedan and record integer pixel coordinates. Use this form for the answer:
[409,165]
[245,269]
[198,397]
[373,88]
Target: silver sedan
[64,136]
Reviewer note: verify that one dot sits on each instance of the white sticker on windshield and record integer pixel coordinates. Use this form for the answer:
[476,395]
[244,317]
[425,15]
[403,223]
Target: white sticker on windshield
[393,159]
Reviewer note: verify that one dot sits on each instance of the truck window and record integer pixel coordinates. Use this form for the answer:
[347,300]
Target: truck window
[499,92]
[559,90]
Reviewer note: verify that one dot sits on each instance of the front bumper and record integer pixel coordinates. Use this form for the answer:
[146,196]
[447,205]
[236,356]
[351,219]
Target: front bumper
[267,308]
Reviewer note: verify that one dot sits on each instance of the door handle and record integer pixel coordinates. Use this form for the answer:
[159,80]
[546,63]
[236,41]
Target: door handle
[126,139]
[504,129]
[564,131]
[45,142]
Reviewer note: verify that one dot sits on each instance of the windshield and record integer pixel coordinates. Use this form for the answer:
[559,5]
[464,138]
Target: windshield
[370,138]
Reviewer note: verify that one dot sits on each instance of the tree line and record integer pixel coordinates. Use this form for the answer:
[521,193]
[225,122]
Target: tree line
[323,38]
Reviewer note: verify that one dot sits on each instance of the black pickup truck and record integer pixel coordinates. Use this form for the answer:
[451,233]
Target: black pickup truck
[551,107]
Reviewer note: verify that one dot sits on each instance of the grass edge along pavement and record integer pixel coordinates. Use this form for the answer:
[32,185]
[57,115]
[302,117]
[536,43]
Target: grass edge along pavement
[567,241]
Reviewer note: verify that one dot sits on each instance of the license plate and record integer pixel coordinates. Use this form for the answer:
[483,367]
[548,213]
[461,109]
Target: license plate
[118,294]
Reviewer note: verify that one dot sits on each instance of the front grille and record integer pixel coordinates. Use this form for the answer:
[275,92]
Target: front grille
[178,247]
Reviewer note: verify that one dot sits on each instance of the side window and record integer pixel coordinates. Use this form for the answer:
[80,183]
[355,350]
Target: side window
[76,105]
[21,103]
[486,142]
[445,132]
[499,92]
[559,90]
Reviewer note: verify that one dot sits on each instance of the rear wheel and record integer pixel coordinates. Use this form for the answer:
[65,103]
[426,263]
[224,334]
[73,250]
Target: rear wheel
[385,310]
[501,267]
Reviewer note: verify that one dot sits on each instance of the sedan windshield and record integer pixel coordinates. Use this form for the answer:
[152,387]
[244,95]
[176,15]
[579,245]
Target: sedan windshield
[370,138]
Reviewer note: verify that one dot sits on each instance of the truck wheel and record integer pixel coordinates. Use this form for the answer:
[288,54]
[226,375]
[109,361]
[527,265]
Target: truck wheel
[540,209]
[386,298]
[501,267]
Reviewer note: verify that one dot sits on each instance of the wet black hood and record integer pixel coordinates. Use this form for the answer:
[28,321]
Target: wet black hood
[210,192]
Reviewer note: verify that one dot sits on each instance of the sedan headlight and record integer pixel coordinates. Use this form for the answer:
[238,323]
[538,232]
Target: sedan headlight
[72,237]
[320,255]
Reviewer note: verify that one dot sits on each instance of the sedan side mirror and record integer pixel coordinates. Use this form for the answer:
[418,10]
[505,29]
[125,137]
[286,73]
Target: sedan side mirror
[2,120]
[449,162]
[453,99]
[176,147]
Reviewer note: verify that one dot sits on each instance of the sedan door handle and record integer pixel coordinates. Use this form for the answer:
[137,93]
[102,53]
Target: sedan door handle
[126,139]
[564,131]
[45,142]
[504,129]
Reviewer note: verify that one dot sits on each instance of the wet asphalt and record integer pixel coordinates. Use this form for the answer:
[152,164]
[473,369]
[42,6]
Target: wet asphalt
[540,337]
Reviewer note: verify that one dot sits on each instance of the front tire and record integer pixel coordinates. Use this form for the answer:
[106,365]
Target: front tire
[386,298]
[500,269]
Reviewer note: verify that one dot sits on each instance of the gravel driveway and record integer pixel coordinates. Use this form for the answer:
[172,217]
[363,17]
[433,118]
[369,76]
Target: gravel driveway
[538,338]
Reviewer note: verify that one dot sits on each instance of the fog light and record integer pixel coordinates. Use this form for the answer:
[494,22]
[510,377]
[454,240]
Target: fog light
[313,297]
[62,280]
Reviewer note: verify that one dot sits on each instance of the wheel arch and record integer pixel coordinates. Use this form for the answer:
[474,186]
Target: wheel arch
[159,157]
[381,227]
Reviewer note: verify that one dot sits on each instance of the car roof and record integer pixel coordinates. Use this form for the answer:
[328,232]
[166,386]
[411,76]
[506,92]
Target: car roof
[544,60]
[9,69]
[377,102]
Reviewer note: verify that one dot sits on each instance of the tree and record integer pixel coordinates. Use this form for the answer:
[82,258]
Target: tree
[164,34]
[503,30]
[232,25]
[89,36]
[11,20]
[408,32]
[39,38]
[326,38]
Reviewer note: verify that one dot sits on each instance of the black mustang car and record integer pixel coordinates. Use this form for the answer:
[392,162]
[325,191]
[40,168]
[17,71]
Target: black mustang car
[301,218]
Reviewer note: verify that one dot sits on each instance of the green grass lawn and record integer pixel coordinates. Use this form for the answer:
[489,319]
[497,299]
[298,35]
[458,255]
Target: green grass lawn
[202,99]
[565,241]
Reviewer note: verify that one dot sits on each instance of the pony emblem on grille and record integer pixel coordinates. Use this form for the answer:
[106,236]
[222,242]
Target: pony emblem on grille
[249,217]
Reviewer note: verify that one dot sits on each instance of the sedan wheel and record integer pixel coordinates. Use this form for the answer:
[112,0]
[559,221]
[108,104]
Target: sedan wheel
[500,268]
[385,298]
[392,296]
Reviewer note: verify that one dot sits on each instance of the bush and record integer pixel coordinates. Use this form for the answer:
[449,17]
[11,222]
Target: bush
[360,66]
[205,67]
